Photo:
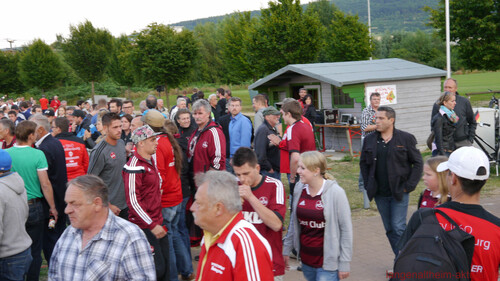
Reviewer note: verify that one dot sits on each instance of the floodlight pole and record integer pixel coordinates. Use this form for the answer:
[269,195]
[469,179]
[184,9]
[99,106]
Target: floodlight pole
[370,29]
[448,57]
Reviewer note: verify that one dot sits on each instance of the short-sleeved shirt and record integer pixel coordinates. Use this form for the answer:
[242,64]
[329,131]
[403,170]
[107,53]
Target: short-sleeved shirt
[300,138]
[27,161]
[106,162]
[311,218]
[271,194]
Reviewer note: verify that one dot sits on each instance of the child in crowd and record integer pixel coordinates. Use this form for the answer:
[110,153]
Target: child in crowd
[436,191]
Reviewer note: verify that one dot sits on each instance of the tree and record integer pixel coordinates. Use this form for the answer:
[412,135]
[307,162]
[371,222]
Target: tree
[164,57]
[9,73]
[475,26]
[120,66]
[236,30]
[40,67]
[346,39]
[88,51]
[284,35]
[209,65]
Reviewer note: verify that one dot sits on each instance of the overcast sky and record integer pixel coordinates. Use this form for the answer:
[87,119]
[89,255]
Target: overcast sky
[25,20]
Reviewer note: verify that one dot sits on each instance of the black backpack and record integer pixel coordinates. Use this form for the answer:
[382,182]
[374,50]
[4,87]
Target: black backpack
[433,253]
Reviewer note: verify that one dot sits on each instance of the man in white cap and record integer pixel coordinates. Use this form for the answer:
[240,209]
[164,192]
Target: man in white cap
[468,170]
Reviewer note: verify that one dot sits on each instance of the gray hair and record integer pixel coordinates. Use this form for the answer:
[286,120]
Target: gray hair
[41,121]
[201,103]
[142,106]
[212,96]
[92,186]
[288,100]
[454,80]
[222,187]
[181,100]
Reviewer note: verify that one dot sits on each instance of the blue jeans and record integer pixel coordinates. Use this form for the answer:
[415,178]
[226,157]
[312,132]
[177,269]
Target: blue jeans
[182,244]
[15,267]
[35,226]
[276,175]
[319,274]
[171,219]
[393,214]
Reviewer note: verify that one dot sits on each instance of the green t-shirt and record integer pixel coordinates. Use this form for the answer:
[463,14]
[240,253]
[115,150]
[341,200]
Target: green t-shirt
[27,161]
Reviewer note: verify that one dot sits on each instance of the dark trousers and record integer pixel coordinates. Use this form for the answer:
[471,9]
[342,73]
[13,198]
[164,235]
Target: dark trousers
[15,267]
[50,236]
[34,227]
[160,255]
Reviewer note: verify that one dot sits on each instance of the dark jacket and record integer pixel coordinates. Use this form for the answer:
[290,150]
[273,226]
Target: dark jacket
[182,138]
[268,155]
[404,163]
[220,109]
[466,125]
[56,160]
[310,113]
[444,130]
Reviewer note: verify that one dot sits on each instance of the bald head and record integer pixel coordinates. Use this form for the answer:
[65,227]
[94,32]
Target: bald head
[136,123]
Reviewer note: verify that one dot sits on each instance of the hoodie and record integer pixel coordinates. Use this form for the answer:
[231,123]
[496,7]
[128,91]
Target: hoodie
[13,215]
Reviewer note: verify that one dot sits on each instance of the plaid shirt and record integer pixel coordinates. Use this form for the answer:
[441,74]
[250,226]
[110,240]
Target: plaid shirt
[368,117]
[120,251]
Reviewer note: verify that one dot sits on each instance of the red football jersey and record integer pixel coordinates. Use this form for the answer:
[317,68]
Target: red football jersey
[271,194]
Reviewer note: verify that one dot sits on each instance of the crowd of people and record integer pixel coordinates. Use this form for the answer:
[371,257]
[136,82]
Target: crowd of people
[108,192]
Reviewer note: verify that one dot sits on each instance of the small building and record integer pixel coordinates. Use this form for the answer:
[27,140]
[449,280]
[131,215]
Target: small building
[410,88]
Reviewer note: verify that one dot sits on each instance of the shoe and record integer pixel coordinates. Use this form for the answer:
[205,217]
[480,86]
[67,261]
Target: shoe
[299,268]
[389,273]
[190,277]
[197,258]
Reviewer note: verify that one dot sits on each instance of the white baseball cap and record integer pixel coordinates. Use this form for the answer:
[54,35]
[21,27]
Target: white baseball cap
[465,163]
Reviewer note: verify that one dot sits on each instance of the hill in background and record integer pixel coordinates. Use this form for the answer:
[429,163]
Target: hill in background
[386,15]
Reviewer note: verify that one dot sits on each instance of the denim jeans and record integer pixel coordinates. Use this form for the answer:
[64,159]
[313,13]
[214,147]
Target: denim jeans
[276,175]
[171,219]
[319,274]
[35,226]
[393,214]
[15,267]
[182,244]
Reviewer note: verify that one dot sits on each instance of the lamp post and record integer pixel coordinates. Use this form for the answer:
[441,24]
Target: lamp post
[448,58]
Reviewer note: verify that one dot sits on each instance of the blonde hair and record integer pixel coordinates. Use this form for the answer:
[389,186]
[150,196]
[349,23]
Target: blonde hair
[313,160]
[433,162]
[446,96]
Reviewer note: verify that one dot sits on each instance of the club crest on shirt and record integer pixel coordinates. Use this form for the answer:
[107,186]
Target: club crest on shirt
[264,200]
[112,155]
[319,205]
[204,144]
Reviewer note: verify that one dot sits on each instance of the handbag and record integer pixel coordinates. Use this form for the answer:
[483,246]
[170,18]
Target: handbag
[430,140]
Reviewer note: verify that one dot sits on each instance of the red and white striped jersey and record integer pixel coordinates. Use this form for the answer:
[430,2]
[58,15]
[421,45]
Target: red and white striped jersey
[241,253]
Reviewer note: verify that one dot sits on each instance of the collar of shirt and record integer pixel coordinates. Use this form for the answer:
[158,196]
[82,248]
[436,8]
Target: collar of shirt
[210,239]
[39,142]
[237,117]
[306,187]
[105,233]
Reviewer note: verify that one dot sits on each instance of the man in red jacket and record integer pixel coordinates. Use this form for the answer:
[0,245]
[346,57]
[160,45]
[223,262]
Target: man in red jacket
[142,192]
[232,248]
[207,146]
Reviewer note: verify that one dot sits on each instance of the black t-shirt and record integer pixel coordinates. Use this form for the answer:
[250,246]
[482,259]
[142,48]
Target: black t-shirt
[381,175]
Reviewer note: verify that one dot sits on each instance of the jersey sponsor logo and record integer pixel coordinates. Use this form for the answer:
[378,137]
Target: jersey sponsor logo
[217,268]
[70,153]
[112,155]
[312,224]
[319,205]
[302,203]
[252,217]
[264,200]
[204,144]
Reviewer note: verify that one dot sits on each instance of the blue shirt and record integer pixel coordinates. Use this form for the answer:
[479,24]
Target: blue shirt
[240,133]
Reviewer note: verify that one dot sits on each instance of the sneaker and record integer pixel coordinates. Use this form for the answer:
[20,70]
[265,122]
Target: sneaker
[197,258]
[190,277]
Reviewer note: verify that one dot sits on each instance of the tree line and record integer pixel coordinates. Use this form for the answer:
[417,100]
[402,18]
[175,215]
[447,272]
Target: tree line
[240,49]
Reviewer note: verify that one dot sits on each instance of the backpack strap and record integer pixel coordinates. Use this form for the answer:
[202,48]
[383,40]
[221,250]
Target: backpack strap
[437,211]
